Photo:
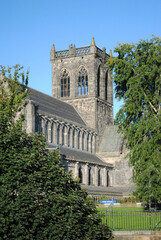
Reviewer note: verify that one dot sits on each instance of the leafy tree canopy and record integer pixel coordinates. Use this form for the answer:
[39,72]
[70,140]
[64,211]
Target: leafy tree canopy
[38,199]
[137,78]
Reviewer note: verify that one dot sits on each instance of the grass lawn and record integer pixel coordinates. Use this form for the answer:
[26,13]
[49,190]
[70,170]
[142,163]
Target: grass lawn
[130,218]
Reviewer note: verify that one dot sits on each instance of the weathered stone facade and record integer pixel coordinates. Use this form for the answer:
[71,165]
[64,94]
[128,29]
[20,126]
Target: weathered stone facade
[94,100]
[78,119]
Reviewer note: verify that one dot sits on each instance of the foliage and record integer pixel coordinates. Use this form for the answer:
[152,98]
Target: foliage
[137,76]
[39,200]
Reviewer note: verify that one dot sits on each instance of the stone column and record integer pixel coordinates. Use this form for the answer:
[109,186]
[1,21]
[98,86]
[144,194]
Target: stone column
[85,141]
[30,117]
[71,137]
[104,177]
[43,125]
[54,132]
[93,143]
[96,176]
[76,174]
[65,136]
[86,173]
[60,135]
[92,137]
[49,131]
[80,141]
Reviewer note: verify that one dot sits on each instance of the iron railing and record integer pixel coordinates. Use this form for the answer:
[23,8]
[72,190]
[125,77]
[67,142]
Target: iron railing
[119,220]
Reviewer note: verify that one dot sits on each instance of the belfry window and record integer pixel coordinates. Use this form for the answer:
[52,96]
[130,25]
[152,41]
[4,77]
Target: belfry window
[82,82]
[65,84]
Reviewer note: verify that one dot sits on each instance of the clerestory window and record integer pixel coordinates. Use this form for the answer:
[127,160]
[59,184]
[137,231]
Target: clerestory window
[65,84]
[82,82]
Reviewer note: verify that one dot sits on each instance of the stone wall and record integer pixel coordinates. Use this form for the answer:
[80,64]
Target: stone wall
[137,235]
[96,106]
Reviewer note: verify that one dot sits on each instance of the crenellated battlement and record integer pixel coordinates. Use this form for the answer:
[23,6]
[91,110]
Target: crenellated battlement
[74,52]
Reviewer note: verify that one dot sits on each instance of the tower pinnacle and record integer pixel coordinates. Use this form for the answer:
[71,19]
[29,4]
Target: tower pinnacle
[93,42]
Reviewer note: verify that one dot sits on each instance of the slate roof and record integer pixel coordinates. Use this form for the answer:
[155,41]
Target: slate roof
[111,140]
[78,155]
[51,105]
[110,190]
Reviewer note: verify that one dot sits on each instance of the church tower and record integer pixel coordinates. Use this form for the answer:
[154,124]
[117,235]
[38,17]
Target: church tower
[81,78]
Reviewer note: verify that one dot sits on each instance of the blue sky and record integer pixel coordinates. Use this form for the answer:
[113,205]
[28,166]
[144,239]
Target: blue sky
[28,28]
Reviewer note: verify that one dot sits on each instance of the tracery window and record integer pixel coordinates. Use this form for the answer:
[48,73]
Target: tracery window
[65,84]
[82,82]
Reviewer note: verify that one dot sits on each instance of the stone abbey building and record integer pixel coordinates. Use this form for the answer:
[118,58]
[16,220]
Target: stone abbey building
[78,119]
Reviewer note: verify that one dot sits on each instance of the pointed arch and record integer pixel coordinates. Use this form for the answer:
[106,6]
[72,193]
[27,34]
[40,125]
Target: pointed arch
[106,84]
[78,140]
[82,81]
[46,130]
[80,174]
[83,141]
[98,82]
[63,128]
[65,84]
[69,132]
[52,128]
[58,134]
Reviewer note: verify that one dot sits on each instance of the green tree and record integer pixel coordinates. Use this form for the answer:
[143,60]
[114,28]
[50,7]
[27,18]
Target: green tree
[137,79]
[38,199]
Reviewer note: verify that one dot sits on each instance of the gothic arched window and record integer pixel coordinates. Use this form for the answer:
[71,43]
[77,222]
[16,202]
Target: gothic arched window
[89,176]
[63,135]
[108,180]
[65,84]
[73,139]
[52,127]
[106,84]
[82,82]
[58,133]
[88,142]
[69,132]
[98,82]
[78,139]
[46,130]
[39,127]
[83,141]
[80,174]
[91,143]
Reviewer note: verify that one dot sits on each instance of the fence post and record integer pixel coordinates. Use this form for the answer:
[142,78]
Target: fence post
[106,216]
[112,218]
[150,218]
[156,219]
